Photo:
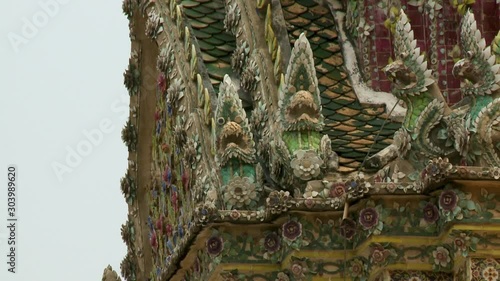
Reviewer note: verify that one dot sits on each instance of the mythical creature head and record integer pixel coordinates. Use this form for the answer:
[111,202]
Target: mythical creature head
[402,76]
[302,110]
[409,71]
[299,94]
[478,72]
[234,139]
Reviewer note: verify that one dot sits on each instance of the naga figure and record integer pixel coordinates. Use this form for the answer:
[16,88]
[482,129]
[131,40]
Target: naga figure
[480,84]
[300,151]
[235,150]
[430,128]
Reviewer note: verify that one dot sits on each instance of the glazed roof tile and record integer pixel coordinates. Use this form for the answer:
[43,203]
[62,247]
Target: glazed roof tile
[216,45]
[351,126]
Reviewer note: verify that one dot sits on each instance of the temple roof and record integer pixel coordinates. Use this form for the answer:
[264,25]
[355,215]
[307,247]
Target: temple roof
[253,124]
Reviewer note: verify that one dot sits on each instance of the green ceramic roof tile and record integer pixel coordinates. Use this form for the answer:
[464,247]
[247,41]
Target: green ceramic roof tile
[214,29]
[189,4]
[325,81]
[350,125]
[317,40]
[344,160]
[354,122]
[311,15]
[214,81]
[363,118]
[217,70]
[308,4]
[214,41]
[334,133]
[335,60]
[320,55]
[325,21]
[299,21]
[339,117]
[208,58]
[355,105]
[332,106]
[371,129]
[319,10]
[314,27]
[345,101]
[207,20]
[344,150]
[360,148]
[373,110]
[225,48]
[328,111]
[328,34]
[205,46]
[216,52]
[354,155]
[200,34]
[386,132]
[197,24]
[377,122]
[345,128]
[229,38]
[297,9]
[340,142]
[288,15]
[314,47]
[214,5]
[392,126]
[193,14]
[336,75]
[331,47]
[217,16]
[204,9]
[360,133]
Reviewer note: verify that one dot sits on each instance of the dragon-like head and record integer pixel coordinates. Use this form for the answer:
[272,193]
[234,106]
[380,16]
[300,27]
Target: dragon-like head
[467,69]
[402,76]
[302,112]
[233,136]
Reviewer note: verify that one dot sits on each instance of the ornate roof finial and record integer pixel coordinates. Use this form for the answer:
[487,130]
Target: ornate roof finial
[300,116]
[235,149]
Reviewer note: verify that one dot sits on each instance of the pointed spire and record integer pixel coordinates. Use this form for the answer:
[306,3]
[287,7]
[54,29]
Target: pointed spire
[300,102]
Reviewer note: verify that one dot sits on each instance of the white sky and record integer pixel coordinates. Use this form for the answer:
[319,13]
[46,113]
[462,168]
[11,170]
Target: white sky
[64,79]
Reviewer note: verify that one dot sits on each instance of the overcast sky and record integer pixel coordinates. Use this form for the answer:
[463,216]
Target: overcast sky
[63,105]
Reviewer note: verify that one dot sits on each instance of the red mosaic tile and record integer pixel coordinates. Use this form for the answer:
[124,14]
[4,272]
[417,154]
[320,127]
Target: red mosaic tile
[450,37]
[415,17]
[419,32]
[489,7]
[381,31]
[383,45]
[383,58]
[454,97]
[453,83]
[385,86]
